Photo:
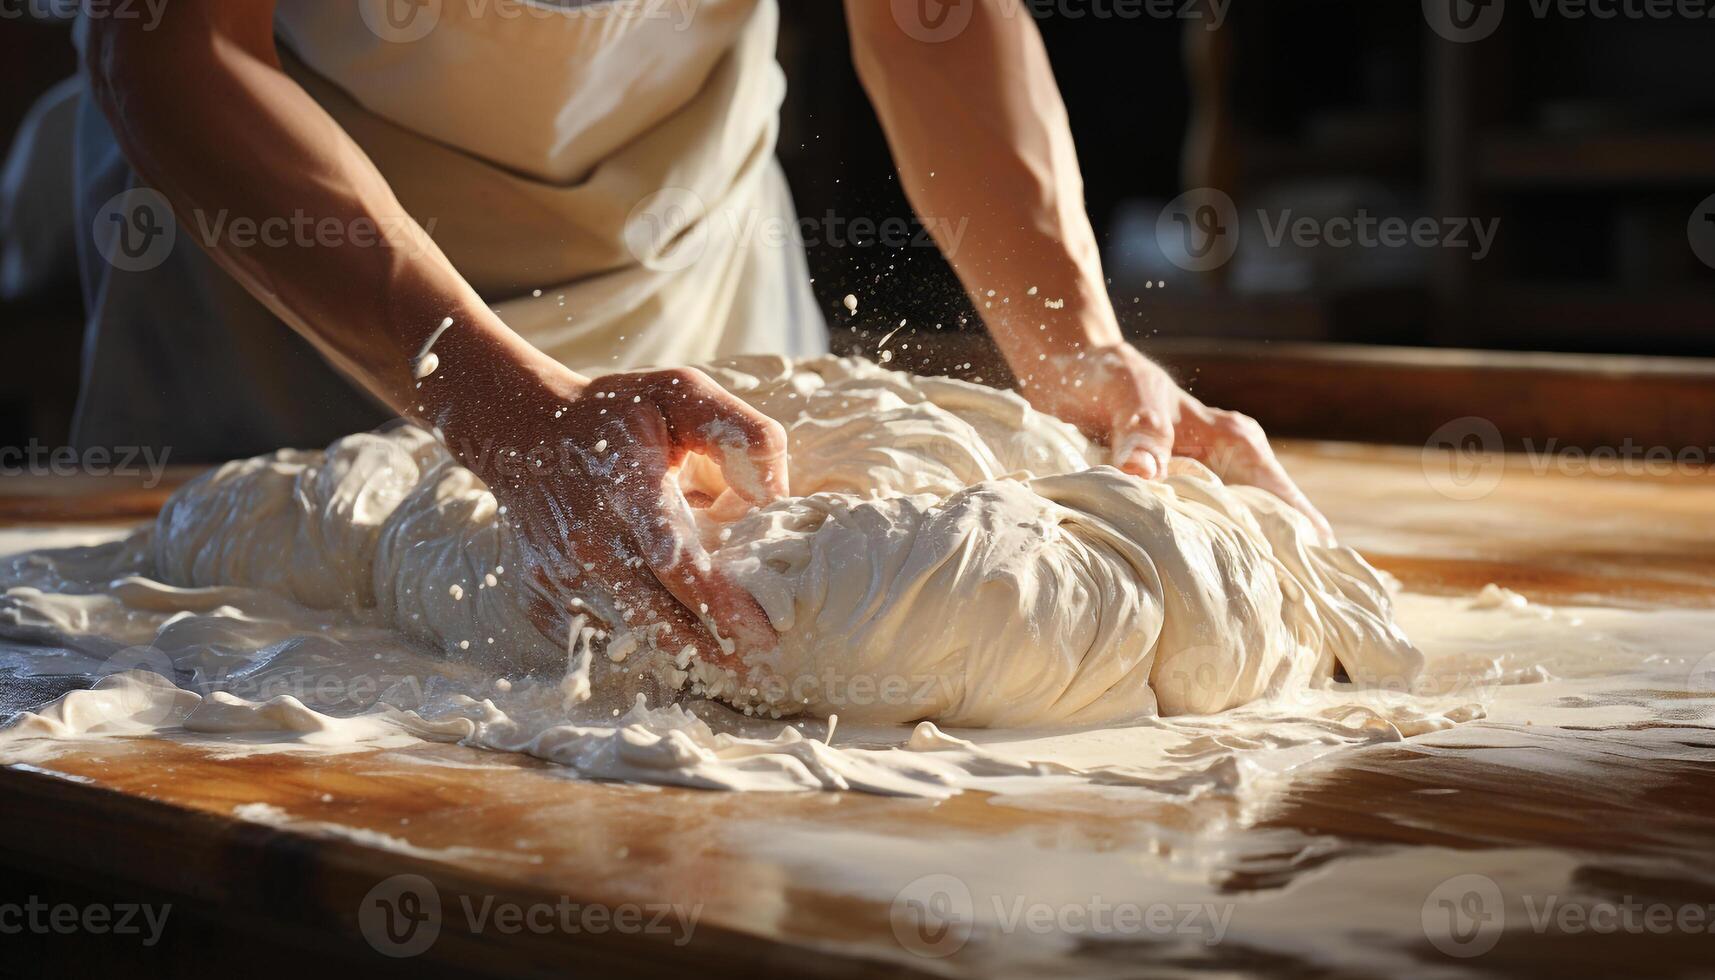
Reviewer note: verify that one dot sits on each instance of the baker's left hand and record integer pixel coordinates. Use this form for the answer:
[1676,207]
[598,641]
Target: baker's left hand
[1117,395]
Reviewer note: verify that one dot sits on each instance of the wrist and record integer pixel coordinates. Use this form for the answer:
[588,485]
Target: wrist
[485,394]
[1053,354]
[1044,328]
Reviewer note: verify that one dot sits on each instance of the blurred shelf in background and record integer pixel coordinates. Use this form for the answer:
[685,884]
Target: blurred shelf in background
[1531,159]
[1586,145]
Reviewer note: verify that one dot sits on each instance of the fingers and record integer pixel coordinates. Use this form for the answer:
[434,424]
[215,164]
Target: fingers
[1142,445]
[664,619]
[1268,474]
[642,606]
[1289,492]
[740,625]
[703,417]
[622,591]
[648,549]
[631,600]
[1236,449]
[689,594]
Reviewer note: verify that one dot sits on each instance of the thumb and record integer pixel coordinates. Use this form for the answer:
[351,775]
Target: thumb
[1142,445]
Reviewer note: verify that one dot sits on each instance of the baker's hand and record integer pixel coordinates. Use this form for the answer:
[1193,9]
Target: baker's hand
[586,471]
[1117,395]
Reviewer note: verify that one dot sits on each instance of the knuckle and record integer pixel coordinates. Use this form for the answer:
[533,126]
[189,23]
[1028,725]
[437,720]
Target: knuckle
[1151,420]
[1240,425]
[680,377]
[772,433]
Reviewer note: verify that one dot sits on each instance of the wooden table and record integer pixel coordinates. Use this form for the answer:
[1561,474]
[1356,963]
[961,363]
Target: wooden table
[768,875]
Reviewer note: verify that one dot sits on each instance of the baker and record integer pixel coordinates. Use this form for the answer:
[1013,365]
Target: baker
[490,214]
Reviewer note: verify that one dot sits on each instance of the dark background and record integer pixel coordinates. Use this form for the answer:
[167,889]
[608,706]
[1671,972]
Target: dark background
[1592,141]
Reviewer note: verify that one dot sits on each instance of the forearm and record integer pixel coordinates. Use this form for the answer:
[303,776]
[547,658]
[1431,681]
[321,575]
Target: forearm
[980,135]
[207,117]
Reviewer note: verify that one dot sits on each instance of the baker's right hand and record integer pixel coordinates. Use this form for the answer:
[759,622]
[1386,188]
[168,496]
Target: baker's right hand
[592,495]
[1117,395]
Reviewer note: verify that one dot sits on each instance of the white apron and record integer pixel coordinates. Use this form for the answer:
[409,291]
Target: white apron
[617,155]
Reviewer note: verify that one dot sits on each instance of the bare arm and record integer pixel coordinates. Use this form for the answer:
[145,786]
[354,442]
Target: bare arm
[205,114]
[979,133]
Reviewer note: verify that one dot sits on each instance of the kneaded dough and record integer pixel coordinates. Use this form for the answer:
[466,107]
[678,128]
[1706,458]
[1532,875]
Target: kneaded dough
[948,554]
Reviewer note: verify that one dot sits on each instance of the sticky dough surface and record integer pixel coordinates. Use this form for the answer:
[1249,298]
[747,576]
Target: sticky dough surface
[948,554]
